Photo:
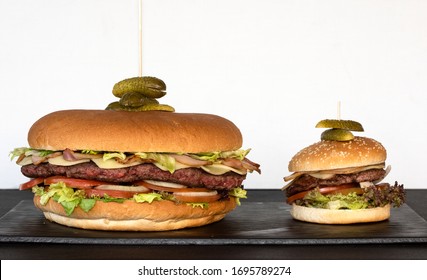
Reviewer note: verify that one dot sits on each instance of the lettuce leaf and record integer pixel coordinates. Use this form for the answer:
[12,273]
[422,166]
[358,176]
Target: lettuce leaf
[373,196]
[28,152]
[108,156]
[334,201]
[214,156]
[89,152]
[67,197]
[238,193]
[203,205]
[238,154]
[87,204]
[164,160]
[147,197]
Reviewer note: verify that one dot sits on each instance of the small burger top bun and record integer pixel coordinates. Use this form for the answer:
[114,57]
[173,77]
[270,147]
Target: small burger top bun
[124,131]
[325,155]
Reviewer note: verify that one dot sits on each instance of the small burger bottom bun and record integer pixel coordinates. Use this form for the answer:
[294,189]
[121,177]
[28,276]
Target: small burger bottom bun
[328,216]
[132,216]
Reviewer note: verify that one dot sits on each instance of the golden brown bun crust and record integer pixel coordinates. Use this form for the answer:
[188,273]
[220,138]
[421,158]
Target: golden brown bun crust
[326,155]
[123,131]
[131,216]
[327,216]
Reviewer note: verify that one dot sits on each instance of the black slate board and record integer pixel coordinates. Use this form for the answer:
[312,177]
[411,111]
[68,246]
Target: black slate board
[255,223]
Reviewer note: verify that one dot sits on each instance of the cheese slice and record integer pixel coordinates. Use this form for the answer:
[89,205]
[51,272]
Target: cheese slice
[26,161]
[214,169]
[219,169]
[112,164]
[62,162]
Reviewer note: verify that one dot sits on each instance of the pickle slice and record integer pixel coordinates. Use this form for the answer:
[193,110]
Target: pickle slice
[114,106]
[342,124]
[149,86]
[157,107]
[136,99]
[337,134]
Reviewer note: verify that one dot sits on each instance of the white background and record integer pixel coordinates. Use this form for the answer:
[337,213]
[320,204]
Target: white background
[273,67]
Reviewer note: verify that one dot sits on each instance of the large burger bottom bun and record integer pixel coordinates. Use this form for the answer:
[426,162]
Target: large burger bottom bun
[328,216]
[131,216]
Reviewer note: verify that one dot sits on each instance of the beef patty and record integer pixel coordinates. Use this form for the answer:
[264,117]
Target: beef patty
[192,177]
[307,182]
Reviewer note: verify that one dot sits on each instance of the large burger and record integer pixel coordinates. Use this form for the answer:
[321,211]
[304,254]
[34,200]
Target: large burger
[132,170]
[339,180]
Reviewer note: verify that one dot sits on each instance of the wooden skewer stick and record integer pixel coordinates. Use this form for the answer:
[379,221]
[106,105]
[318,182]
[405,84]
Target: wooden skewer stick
[339,110]
[140,37]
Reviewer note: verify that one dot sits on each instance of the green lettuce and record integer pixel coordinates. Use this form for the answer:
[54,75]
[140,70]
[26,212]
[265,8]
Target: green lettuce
[28,152]
[87,203]
[67,197]
[238,154]
[238,193]
[118,155]
[89,152]
[372,196]
[334,201]
[161,159]
[214,156]
[147,197]
[203,205]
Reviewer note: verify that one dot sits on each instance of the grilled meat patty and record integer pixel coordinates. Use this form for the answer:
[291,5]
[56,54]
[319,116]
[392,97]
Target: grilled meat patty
[192,177]
[307,182]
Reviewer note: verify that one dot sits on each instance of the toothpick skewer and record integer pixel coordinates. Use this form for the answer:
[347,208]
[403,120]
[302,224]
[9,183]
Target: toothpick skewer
[339,110]
[140,38]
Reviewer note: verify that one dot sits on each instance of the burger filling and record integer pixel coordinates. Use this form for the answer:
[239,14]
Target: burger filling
[344,189]
[80,178]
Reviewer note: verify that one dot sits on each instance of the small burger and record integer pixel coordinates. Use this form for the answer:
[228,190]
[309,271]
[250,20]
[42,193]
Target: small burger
[134,170]
[338,180]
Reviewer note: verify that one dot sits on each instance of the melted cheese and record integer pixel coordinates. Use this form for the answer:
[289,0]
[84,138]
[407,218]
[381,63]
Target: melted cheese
[62,162]
[26,161]
[214,169]
[111,163]
[219,169]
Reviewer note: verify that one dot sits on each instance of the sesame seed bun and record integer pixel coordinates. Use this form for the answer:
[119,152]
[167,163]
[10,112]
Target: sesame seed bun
[325,155]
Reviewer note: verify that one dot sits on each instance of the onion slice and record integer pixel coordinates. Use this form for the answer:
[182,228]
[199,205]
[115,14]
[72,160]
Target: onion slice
[138,189]
[197,197]
[187,160]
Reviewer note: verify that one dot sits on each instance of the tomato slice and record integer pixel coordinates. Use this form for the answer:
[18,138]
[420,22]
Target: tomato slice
[296,196]
[169,189]
[31,183]
[349,190]
[72,182]
[111,193]
[343,189]
[183,197]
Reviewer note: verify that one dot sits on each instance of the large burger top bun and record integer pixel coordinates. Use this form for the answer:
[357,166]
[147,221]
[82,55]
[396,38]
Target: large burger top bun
[325,155]
[122,131]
